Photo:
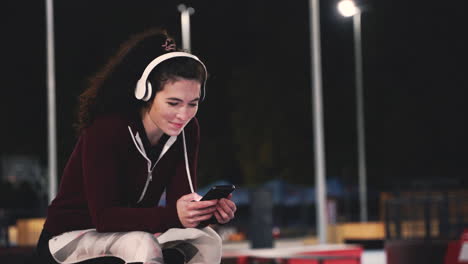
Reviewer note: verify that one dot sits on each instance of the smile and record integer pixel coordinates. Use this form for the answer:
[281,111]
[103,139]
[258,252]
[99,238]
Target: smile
[176,125]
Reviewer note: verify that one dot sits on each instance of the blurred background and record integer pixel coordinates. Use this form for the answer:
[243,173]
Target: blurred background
[257,120]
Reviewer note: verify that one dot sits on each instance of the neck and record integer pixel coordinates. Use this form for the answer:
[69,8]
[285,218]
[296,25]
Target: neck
[153,132]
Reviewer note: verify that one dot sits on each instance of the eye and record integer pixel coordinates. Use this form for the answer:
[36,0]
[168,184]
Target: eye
[172,103]
[193,104]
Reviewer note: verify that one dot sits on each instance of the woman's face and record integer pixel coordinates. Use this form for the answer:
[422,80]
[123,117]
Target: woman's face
[175,105]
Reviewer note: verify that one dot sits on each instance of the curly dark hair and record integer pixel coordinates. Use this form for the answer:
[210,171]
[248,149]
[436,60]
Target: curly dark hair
[111,90]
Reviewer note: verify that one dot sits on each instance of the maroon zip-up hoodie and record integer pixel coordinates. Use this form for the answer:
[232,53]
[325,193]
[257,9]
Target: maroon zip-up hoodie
[106,175]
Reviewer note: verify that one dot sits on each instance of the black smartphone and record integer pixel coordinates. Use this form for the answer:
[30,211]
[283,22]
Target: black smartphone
[218,192]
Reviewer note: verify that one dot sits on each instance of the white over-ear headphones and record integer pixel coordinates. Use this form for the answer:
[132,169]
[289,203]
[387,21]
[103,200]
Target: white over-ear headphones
[143,89]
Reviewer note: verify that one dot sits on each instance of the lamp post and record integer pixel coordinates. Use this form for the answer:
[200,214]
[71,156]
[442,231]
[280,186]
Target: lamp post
[185,13]
[348,8]
[317,111]
[51,113]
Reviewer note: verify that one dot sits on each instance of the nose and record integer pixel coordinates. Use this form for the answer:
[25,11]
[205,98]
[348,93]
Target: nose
[184,114]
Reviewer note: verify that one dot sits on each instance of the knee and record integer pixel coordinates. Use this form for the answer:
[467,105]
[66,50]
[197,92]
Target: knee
[217,240]
[212,237]
[143,241]
[139,247]
[210,247]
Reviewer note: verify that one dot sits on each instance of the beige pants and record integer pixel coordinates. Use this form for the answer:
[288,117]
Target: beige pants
[200,245]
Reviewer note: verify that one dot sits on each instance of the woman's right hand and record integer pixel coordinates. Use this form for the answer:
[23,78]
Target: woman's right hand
[191,211]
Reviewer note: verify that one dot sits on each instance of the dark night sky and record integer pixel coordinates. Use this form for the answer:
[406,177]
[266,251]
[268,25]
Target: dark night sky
[414,76]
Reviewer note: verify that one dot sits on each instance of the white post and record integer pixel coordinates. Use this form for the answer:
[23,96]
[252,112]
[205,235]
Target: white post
[185,13]
[360,118]
[349,8]
[319,139]
[51,127]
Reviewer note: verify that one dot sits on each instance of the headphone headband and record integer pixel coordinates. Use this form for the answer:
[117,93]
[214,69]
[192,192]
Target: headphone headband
[143,89]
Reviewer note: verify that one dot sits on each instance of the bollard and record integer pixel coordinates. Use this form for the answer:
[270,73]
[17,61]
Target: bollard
[261,219]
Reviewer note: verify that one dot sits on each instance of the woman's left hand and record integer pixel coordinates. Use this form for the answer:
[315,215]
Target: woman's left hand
[225,209]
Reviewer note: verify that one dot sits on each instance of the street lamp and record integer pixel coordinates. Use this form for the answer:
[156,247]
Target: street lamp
[348,8]
[51,112]
[317,112]
[185,13]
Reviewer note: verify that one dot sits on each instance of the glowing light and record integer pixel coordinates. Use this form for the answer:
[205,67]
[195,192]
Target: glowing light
[347,8]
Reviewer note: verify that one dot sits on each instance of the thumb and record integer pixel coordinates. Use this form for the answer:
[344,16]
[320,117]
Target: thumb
[197,196]
[191,197]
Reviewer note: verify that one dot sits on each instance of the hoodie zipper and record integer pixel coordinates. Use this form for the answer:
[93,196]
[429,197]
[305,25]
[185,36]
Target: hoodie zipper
[139,145]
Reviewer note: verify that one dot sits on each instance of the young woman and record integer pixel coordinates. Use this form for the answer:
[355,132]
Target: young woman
[138,139]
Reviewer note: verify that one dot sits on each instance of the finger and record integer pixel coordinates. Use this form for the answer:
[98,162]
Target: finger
[190,197]
[194,222]
[224,215]
[209,210]
[229,203]
[197,196]
[196,213]
[219,218]
[203,218]
[228,207]
[202,204]
[224,208]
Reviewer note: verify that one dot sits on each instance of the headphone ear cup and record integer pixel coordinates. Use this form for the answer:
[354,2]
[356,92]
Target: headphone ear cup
[149,91]
[140,90]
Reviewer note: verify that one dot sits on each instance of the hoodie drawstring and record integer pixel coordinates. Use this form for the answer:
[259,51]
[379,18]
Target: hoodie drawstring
[186,163]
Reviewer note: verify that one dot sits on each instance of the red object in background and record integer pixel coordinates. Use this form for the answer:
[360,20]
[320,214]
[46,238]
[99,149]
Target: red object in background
[346,252]
[454,250]
[276,232]
[354,254]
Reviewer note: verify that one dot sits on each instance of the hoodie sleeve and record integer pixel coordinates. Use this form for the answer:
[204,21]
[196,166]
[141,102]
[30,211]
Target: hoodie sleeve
[102,158]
